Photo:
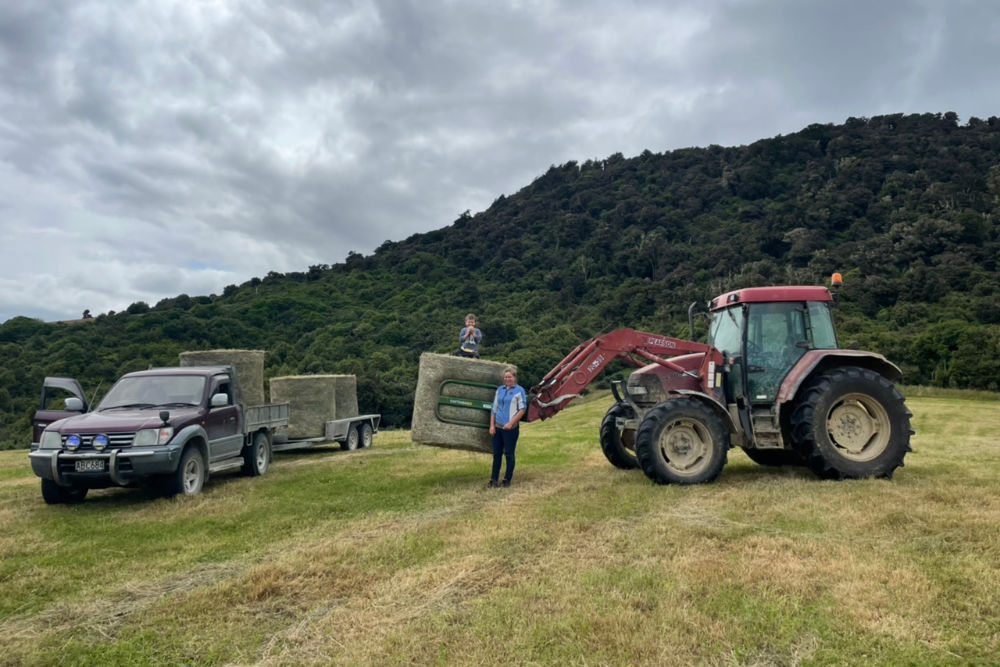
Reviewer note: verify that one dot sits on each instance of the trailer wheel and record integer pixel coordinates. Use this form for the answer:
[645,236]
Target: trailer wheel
[257,455]
[189,478]
[53,494]
[353,438]
[681,441]
[851,423]
[365,434]
[618,446]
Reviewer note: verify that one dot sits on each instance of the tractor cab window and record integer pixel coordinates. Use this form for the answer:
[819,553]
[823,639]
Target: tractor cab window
[725,332]
[776,339]
[824,336]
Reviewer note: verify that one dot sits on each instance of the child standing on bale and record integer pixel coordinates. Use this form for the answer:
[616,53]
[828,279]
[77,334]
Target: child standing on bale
[469,338]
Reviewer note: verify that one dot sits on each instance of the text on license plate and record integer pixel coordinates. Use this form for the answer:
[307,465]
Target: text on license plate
[90,465]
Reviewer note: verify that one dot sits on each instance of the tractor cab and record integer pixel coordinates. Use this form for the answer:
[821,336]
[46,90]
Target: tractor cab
[763,332]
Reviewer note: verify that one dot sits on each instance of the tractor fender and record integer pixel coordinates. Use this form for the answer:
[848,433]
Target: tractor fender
[712,403]
[820,360]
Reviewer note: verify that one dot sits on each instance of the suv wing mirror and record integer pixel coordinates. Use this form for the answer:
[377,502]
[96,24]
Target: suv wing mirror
[219,400]
[74,404]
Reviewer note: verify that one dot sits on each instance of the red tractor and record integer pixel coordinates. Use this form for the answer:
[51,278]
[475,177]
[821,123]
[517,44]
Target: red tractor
[771,379]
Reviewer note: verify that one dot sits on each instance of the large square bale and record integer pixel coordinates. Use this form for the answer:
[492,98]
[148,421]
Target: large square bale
[437,425]
[312,402]
[347,395]
[249,365]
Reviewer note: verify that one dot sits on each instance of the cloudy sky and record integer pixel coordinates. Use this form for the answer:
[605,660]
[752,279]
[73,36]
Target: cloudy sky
[160,147]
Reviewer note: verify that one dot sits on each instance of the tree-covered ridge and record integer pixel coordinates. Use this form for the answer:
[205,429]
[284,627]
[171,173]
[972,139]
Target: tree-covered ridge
[905,206]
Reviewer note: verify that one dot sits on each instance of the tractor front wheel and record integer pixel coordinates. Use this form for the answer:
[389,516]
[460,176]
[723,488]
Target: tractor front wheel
[851,423]
[618,445]
[681,441]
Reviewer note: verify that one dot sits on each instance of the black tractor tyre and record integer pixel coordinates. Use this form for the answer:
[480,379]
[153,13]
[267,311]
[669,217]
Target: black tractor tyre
[190,476]
[613,441]
[257,455]
[774,457]
[851,423]
[53,494]
[682,441]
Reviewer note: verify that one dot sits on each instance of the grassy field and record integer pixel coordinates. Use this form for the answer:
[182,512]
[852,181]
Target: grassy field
[400,554]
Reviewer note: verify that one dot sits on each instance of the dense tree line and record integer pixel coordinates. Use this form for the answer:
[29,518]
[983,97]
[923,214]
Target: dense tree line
[906,206]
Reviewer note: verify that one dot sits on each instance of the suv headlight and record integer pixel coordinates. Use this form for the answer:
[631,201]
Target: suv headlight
[153,436]
[50,440]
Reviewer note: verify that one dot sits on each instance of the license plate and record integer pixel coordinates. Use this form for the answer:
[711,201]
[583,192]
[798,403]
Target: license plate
[90,465]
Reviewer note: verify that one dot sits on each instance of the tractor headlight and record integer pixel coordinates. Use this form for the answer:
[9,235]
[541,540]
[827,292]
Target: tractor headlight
[153,436]
[50,440]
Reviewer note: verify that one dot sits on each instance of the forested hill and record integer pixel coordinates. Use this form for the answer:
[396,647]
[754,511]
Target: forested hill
[906,207]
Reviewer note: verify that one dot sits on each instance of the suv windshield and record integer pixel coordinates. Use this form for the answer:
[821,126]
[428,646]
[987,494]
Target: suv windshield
[147,391]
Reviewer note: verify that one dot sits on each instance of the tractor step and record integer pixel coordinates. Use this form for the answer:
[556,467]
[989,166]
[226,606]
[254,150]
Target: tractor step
[766,433]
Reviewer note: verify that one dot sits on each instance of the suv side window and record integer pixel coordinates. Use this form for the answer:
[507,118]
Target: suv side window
[222,385]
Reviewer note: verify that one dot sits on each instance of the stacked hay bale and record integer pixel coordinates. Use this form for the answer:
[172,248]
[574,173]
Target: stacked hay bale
[427,428]
[346,394]
[314,400]
[249,365]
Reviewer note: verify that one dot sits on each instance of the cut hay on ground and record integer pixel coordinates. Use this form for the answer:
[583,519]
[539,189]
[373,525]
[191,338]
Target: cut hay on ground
[312,399]
[427,428]
[249,365]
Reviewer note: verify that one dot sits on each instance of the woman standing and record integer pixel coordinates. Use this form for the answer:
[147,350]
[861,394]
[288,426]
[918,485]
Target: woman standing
[509,405]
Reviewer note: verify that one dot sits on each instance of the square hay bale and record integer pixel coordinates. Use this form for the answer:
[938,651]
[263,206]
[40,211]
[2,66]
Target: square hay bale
[312,402]
[435,425]
[346,395]
[249,365]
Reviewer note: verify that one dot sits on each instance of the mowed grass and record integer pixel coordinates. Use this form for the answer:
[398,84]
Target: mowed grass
[400,555]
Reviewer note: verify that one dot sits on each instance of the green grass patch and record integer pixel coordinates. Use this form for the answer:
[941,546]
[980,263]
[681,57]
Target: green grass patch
[401,555]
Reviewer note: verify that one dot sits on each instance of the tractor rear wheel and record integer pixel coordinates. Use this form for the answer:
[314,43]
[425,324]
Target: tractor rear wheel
[681,441]
[851,423]
[618,445]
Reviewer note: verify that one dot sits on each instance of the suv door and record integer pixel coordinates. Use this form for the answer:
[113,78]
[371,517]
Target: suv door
[225,439]
[52,406]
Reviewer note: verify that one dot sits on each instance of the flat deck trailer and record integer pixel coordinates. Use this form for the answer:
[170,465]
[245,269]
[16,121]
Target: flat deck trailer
[350,432]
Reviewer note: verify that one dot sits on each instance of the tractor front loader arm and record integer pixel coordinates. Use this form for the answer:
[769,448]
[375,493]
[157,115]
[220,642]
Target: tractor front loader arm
[571,375]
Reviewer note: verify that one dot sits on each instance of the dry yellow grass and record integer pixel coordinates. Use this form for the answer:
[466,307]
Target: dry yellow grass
[399,555]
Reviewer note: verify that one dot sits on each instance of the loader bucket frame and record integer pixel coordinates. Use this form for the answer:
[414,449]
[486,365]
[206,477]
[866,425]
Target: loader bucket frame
[459,402]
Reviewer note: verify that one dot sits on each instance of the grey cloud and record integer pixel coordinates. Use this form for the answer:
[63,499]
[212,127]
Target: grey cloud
[298,131]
